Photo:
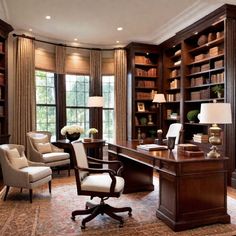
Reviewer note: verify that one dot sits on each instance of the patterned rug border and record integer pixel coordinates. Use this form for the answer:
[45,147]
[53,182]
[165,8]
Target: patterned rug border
[50,215]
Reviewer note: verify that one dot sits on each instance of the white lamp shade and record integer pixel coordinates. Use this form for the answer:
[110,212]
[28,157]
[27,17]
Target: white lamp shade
[215,113]
[159,98]
[96,101]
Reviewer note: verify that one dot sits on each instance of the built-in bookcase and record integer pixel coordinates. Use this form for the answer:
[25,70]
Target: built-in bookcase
[143,83]
[4,31]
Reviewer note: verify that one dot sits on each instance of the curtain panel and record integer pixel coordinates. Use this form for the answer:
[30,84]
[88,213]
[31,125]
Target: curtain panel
[120,61]
[24,97]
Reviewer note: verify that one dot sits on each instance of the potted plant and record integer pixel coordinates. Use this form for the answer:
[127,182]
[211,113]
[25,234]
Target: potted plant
[92,132]
[72,132]
[218,89]
[192,115]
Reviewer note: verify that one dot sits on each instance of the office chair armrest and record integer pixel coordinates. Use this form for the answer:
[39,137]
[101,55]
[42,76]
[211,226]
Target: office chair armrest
[104,161]
[118,172]
[95,170]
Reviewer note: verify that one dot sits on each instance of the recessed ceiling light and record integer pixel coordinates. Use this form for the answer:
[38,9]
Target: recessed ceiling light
[75,39]
[48,17]
[117,41]
[147,53]
[119,28]
[30,30]
[196,33]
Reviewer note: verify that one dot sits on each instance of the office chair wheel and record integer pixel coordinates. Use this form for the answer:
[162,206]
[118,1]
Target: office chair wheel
[73,218]
[121,224]
[82,226]
[130,213]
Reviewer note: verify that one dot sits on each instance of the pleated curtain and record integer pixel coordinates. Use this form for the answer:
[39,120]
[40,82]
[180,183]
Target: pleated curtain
[24,100]
[60,59]
[120,94]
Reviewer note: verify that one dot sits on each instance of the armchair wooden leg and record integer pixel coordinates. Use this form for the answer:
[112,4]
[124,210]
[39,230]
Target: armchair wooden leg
[30,195]
[50,186]
[7,190]
[21,189]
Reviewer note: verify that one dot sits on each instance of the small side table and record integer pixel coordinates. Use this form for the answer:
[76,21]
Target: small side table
[94,148]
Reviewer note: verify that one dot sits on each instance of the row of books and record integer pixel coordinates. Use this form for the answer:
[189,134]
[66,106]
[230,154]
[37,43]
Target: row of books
[143,95]
[142,60]
[145,83]
[217,78]
[174,84]
[1,47]
[202,94]
[173,97]
[174,73]
[152,72]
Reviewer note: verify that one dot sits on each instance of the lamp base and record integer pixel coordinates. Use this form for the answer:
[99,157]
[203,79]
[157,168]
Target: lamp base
[213,153]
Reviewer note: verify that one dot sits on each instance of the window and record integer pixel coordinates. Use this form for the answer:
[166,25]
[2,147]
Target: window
[45,102]
[77,93]
[108,109]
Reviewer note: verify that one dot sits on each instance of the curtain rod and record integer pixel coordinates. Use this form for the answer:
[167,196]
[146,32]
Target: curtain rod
[64,45]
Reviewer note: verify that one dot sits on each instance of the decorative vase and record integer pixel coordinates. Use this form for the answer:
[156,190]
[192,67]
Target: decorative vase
[92,136]
[72,137]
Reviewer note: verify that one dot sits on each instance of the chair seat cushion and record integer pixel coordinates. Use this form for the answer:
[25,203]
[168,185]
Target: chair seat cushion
[101,183]
[55,156]
[37,172]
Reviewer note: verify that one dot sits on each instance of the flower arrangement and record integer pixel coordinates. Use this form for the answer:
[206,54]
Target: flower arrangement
[92,131]
[71,129]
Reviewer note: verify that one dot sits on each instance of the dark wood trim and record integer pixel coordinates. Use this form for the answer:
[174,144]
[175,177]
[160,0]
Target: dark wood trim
[61,103]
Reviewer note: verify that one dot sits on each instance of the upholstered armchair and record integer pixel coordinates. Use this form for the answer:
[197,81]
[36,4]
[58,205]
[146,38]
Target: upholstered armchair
[102,183]
[19,172]
[40,149]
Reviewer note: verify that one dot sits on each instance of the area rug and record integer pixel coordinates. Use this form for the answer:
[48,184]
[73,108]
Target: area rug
[49,215]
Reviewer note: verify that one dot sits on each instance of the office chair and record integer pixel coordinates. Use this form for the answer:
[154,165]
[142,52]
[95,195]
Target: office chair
[94,183]
[174,131]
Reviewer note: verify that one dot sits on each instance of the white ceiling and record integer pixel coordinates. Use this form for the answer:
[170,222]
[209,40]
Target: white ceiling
[94,22]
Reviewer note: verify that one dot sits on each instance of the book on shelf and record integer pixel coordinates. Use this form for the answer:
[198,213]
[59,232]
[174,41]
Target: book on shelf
[1,46]
[200,138]
[151,147]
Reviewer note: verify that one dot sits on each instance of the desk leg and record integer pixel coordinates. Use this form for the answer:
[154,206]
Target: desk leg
[138,177]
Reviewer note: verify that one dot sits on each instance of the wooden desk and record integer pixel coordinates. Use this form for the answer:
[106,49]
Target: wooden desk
[93,148]
[192,191]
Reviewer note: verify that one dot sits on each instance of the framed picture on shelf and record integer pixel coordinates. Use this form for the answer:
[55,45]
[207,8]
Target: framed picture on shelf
[141,107]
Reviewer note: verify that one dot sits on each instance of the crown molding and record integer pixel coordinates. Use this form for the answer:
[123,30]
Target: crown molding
[190,15]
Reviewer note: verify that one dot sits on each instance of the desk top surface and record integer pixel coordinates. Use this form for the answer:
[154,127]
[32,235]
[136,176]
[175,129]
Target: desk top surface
[172,156]
[66,141]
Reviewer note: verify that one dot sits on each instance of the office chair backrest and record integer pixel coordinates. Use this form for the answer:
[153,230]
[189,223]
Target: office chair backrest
[80,159]
[174,131]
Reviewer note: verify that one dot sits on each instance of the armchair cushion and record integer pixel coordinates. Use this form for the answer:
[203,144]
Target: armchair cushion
[43,147]
[101,183]
[40,139]
[55,156]
[37,172]
[15,159]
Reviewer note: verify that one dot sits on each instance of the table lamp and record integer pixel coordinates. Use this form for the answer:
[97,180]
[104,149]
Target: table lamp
[159,98]
[215,113]
[96,101]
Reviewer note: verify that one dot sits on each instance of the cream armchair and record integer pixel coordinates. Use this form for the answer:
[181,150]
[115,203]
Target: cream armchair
[41,150]
[19,172]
